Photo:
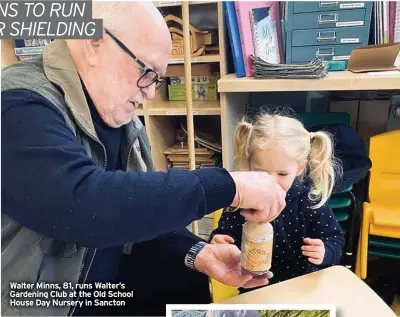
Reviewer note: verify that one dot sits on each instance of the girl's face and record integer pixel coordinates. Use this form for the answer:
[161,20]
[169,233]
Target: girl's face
[278,164]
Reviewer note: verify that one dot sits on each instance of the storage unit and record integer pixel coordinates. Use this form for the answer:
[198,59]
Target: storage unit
[326,29]
[162,116]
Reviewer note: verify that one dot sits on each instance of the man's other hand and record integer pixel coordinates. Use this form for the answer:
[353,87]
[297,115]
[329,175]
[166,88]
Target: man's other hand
[222,263]
[259,195]
[221,239]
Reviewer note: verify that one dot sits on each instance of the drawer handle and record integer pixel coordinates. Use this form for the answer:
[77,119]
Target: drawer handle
[323,4]
[325,18]
[319,54]
[326,38]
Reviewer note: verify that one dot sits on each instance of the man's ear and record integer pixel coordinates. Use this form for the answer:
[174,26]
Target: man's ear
[92,50]
[302,167]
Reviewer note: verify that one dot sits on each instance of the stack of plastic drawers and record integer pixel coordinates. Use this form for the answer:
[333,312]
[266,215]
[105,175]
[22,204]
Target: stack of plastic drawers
[326,29]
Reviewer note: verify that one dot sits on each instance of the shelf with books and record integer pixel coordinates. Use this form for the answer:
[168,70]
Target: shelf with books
[161,114]
[169,138]
[210,58]
[162,135]
[178,108]
[171,99]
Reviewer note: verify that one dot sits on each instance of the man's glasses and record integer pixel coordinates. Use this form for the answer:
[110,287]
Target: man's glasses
[149,76]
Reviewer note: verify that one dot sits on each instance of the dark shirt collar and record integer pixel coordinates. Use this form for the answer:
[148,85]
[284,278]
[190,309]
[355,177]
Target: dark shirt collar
[93,110]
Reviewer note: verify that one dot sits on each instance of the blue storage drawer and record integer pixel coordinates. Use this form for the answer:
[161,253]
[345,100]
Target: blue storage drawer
[318,6]
[327,52]
[329,19]
[328,29]
[353,35]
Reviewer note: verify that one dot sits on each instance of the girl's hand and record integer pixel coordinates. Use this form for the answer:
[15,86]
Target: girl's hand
[314,249]
[222,239]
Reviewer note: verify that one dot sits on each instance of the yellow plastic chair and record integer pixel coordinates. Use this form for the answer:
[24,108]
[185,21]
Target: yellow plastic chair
[219,291]
[381,215]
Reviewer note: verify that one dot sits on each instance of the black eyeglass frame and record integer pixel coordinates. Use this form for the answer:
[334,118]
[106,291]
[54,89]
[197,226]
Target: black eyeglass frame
[146,70]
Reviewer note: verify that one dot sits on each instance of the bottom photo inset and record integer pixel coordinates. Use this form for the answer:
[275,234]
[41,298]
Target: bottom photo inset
[247,311]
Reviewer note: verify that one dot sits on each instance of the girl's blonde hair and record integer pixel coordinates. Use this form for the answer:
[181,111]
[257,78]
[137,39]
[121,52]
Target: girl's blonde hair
[288,133]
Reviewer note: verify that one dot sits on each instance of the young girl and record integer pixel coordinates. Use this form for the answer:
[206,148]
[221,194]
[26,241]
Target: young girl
[307,236]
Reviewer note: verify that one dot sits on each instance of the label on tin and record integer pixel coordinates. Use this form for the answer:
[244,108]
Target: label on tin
[257,254]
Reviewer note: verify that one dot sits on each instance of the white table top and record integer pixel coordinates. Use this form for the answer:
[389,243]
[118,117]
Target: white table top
[336,285]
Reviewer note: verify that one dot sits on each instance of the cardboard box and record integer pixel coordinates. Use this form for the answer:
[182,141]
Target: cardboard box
[349,106]
[394,116]
[197,70]
[374,58]
[199,92]
[373,117]
[180,80]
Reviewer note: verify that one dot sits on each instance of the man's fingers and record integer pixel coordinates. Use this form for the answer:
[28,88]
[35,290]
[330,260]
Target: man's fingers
[274,212]
[267,275]
[281,198]
[255,282]
[229,239]
[240,280]
[231,253]
[250,215]
[222,239]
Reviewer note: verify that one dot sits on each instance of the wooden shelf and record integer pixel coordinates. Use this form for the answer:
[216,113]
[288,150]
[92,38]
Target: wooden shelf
[161,132]
[334,81]
[139,112]
[161,4]
[7,53]
[210,58]
[178,108]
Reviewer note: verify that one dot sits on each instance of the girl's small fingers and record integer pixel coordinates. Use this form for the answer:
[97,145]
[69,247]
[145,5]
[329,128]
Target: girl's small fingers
[310,241]
[229,239]
[311,248]
[315,261]
[315,255]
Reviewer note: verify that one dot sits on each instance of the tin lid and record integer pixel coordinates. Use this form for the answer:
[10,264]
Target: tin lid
[255,230]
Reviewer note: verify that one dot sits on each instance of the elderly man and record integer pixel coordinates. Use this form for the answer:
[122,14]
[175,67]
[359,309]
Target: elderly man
[79,188]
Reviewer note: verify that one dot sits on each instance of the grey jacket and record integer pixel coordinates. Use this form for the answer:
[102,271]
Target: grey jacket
[27,256]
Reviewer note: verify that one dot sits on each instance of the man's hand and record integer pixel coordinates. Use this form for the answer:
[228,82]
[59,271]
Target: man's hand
[259,195]
[222,262]
[314,250]
[222,239]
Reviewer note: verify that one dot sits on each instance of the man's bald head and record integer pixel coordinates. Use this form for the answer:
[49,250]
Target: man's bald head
[117,13]
[110,74]
[138,22]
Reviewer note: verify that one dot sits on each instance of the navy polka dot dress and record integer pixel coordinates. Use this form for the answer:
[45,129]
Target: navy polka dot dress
[296,222]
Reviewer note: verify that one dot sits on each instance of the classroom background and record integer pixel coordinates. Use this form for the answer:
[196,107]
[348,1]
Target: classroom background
[330,62]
